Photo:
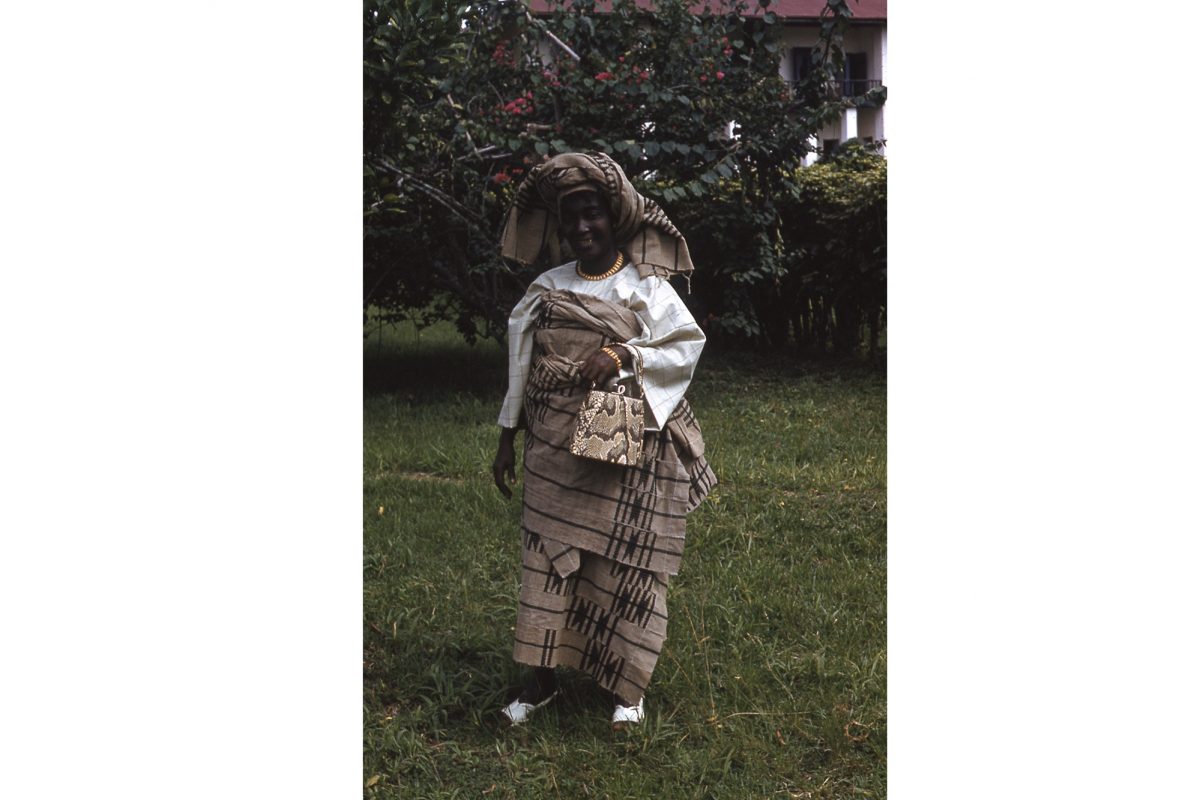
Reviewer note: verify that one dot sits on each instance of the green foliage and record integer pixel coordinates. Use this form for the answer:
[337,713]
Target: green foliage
[460,101]
[836,238]
[427,215]
[772,681]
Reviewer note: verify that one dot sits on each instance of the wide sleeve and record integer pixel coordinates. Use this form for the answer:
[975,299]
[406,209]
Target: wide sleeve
[520,350]
[668,346]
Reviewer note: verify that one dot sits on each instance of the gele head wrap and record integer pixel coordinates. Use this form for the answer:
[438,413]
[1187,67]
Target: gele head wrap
[640,227]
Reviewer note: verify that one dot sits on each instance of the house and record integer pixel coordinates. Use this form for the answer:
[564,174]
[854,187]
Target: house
[865,46]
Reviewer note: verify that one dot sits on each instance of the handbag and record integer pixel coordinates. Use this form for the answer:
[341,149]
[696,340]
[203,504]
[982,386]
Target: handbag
[610,425]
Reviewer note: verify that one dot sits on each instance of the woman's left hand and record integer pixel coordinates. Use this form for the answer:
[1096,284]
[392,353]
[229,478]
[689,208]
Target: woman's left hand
[600,368]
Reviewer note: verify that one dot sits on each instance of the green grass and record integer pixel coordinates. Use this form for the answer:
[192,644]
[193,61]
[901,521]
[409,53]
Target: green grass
[773,678]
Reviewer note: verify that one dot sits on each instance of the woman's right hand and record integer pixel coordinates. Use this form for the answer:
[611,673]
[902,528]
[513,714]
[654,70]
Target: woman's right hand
[505,464]
[599,368]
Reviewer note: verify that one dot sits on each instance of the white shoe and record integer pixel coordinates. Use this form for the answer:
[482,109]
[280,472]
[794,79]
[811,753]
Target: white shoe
[628,715]
[518,712]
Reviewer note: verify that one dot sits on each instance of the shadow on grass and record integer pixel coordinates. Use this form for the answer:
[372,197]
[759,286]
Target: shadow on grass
[457,675]
[435,370]
[424,365]
[438,370]
[462,680]
[790,363]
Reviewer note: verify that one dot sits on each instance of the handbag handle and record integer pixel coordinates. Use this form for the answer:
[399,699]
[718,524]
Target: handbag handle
[637,367]
[637,371]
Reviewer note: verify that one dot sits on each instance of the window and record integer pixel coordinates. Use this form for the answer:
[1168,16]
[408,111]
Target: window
[855,74]
[801,63]
[802,70]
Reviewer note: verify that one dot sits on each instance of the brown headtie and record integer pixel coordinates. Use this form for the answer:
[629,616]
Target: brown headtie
[640,227]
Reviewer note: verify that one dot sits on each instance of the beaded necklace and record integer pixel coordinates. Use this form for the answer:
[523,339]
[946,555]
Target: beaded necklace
[613,270]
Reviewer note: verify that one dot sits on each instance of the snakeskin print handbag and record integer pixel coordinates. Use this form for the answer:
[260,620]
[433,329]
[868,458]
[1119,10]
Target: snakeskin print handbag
[610,426]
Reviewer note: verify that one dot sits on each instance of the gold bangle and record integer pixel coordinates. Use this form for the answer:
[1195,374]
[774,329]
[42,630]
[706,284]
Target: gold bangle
[608,351]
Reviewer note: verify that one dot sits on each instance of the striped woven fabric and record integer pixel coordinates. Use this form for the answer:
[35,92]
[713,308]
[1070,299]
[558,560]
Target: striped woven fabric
[640,226]
[634,514]
[606,619]
[600,540]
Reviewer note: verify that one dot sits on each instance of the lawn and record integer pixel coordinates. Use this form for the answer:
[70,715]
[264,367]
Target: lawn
[773,679]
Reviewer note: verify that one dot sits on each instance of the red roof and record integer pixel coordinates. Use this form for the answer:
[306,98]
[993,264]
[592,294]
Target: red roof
[873,10]
[811,9]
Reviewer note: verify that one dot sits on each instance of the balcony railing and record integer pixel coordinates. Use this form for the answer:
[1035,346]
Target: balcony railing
[854,88]
[844,88]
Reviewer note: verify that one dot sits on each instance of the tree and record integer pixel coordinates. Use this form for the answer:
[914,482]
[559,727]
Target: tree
[460,101]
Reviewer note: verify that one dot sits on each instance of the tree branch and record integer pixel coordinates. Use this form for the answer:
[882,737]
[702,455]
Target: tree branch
[465,214]
[541,26]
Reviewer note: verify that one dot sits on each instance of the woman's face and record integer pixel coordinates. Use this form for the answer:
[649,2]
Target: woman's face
[587,226]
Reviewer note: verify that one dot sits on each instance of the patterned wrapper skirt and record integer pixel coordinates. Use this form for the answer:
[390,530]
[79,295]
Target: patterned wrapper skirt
[607,619]
[600,540]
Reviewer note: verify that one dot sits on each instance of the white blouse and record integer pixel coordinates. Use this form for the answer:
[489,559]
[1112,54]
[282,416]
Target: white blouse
[668,346]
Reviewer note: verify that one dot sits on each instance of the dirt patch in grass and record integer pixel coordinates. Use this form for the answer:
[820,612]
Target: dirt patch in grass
[424,477]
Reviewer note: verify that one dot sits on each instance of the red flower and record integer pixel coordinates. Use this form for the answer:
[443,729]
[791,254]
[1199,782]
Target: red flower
[501,55]
[603,76]
[621,59]
[645,75]
[519,105]
[703,78]
[501,178]
[720,76]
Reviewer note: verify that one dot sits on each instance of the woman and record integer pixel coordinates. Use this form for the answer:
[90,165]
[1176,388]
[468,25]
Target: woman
[600,540]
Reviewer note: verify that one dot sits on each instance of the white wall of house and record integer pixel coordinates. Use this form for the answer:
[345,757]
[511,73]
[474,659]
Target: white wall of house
[869,39]
[883,55]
